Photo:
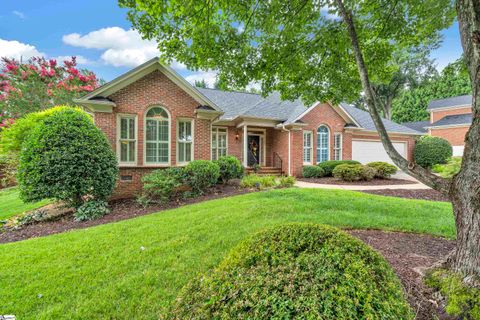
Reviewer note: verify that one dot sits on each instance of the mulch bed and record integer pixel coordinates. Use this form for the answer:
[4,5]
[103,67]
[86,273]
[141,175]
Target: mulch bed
[120,210]
[423,194]
[374,182]
[409,254]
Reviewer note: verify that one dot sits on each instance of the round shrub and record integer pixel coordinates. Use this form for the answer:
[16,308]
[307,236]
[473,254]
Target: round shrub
[161,185]
[368,173]
[201,175]
[296,271]
[349,172]
[230,168]
[312,172]
[328,166]
[430,151]
[384,169]
[68,159]
[91,210]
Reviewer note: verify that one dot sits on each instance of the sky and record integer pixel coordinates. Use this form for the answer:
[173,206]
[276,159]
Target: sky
[99,35]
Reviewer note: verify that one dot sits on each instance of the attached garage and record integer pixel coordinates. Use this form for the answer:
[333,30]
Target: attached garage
[366,151]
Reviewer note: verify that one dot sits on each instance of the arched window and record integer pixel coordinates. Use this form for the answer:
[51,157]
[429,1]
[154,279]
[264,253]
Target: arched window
[323,135]
[157,136]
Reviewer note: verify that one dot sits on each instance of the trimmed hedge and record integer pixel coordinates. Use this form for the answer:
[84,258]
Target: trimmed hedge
[328,166]
[201,175]
[312,172]
[354,172]
[296,271]
[68,159]
[230,168]
[384,170]
[430,151]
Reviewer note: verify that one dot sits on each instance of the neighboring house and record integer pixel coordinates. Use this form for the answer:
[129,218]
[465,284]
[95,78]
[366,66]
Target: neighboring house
[450,119]
[155,119]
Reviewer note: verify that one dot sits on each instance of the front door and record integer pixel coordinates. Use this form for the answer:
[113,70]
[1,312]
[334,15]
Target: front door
[254,150]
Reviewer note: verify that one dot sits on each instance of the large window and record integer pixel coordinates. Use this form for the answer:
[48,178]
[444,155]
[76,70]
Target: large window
[157,136]
[322,144]
[219,142]
[184,141]
[307,147]
[337,146]
[127,139]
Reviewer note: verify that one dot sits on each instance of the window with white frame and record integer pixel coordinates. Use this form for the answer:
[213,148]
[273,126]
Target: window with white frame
[184,141]
[337,146]
[157,136]
[127,139]
[322,143]
[219,142]
[307,147]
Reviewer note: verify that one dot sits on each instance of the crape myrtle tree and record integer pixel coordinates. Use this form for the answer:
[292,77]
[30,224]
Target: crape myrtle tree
[328,50]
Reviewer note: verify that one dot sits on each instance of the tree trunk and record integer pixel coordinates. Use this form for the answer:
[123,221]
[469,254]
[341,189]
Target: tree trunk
[465,191]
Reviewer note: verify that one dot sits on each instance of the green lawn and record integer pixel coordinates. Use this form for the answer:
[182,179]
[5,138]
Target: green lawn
[102,273]
[10,203]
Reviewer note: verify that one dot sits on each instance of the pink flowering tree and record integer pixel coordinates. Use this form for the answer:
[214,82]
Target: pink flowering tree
[40,84]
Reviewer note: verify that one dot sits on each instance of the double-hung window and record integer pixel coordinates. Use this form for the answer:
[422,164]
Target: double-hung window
[219,142]
[322,143]
[157,136]
[337,146]
[184,141]
[127,139]
[307,147]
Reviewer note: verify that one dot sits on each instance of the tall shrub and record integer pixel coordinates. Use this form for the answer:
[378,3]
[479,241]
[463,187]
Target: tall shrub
[430,151]
[230,168]
[67,158]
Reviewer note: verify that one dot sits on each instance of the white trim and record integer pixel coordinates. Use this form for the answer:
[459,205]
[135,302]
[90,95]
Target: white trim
[328,143]
[192,143]
[289,153]
[361,130]
[311,148]
[340,148]
[245,146]
[121,116]
[157,164]
[212,127]
[463,125]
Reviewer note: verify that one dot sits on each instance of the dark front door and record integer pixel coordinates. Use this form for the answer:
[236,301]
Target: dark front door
[254,155]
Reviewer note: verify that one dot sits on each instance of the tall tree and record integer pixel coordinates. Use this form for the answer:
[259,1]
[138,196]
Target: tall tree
[411,105]
[302,51]
[40,84]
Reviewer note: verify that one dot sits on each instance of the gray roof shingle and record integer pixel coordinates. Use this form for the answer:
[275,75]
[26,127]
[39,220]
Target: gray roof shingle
[452,120]
[420,126]
[365,121]
[450,102]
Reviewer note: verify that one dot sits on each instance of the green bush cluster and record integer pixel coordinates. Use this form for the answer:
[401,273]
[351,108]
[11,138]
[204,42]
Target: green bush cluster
[286,181]
[68,159]
[296,271]
[328,166]
[384,170]
[448,170]
[354,172]
[230,168]
[92,210]
[463,302]
[312,172]
[201,175]
[257,181]
[430,151]
[161,185]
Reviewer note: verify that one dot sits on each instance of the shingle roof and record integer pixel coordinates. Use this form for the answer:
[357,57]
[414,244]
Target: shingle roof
[457,119]
[450,102]
[365,121]
[420,126]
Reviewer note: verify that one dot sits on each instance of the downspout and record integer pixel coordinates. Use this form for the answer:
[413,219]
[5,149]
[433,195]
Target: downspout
[289,149]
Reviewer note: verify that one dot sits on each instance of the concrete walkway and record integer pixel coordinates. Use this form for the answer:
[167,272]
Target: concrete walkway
[400,175]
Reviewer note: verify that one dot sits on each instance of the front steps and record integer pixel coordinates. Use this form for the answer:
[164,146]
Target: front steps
[266,171]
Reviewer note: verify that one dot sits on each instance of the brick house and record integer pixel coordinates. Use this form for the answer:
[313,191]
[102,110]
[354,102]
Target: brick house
[450,119]
[155,119]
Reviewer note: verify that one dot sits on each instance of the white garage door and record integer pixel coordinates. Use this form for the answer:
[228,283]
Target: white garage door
[369,151]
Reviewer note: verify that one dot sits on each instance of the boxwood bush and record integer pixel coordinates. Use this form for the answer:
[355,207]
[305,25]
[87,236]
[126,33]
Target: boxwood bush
[312,172]
[67,158]
[354,172]
[230,168]
[384,170]
[328,166]
[201,175]
[296,271]
[430,151]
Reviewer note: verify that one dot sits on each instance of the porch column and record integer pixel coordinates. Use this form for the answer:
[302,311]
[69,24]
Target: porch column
[245,146]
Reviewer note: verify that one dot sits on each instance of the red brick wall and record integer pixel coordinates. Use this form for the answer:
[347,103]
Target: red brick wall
[456,136]
[152,90]
[437,115]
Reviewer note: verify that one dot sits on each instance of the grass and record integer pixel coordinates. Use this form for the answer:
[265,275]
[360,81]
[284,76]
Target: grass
[10,203]
[103,273]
